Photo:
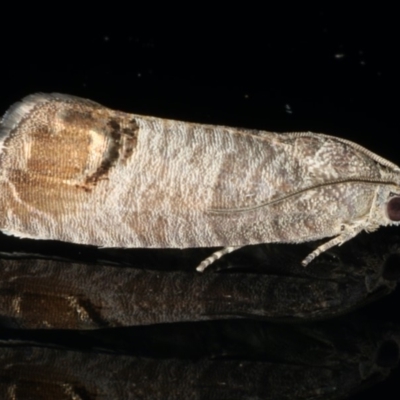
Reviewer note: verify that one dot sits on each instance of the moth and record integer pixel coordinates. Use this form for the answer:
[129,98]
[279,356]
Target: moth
[74,170]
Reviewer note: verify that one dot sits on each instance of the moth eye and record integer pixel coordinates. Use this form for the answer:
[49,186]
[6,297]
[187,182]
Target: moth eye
[393,209]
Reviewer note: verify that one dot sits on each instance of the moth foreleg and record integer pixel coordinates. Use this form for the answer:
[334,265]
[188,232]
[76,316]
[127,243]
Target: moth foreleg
[215,256]
[338,240]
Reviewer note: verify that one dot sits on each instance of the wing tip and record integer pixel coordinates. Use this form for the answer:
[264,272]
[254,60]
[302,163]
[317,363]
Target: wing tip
[22,108]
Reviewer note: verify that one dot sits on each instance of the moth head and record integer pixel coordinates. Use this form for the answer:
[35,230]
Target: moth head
[393,207]
[388,204]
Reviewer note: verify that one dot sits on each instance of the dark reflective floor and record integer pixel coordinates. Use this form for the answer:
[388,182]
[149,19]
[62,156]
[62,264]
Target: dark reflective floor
[96,323]
[83,323]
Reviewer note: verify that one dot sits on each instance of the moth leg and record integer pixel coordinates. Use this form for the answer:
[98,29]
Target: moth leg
[215,256]
[338,240]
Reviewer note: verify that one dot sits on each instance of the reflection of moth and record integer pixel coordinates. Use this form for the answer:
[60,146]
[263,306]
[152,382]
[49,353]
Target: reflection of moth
[232,360]
[76,171]
[84,296]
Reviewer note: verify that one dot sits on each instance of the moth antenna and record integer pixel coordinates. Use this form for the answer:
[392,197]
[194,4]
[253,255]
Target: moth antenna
[283,198]
[215,256]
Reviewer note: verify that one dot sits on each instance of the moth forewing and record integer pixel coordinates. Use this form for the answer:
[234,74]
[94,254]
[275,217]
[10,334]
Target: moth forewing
[76,171]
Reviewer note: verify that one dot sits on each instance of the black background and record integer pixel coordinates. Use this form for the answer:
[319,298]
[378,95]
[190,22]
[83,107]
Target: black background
[322,69]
